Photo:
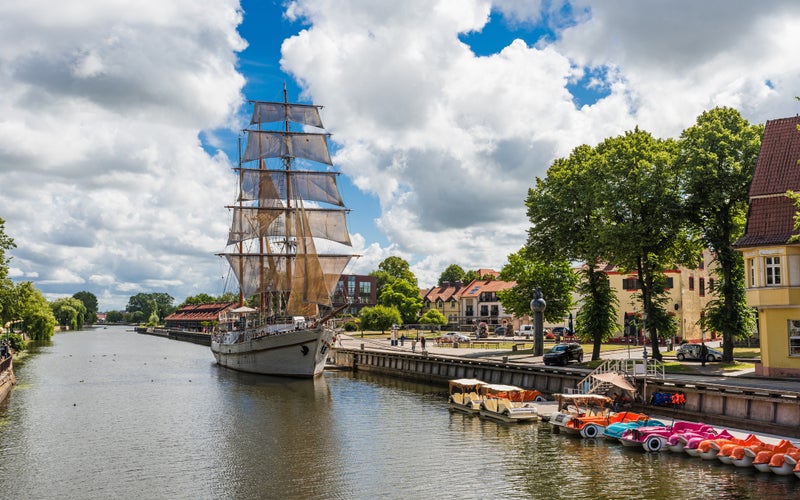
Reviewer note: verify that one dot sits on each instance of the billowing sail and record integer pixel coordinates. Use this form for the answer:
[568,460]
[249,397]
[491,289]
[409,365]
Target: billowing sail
[278,144]
[266,112]
[255,222]
[273,230]
[266,185]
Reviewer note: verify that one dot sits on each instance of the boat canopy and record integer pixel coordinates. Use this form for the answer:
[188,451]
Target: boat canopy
[616,379]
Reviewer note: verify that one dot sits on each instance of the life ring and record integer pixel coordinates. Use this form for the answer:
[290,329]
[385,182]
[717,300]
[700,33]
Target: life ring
[591,431]
[653,444]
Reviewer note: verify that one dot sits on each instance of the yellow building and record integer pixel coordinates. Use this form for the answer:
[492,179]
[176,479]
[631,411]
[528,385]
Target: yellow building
[689,292]
[772,263]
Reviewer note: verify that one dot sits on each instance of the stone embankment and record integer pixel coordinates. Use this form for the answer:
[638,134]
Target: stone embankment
[7,379]
[758,405]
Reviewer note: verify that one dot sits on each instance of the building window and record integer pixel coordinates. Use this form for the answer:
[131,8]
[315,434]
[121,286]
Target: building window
[351,286]
[365,291]
[670,283]
[711,285]
[630,284]
[439,304]
[772,265]
[702,287]
[691,283]
[751,265]
[794,337]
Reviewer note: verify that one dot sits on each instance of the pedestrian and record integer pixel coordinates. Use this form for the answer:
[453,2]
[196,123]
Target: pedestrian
[402,339]
[422,341]
[703,353]
[413,346]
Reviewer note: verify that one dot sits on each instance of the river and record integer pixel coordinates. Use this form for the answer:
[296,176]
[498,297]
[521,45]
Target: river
[108,413]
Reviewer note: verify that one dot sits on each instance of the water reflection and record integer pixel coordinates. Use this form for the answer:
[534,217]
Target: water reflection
[110,413]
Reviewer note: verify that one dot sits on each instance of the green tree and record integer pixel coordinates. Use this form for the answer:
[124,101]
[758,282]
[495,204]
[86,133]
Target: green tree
[432,317]
[470,276]
[90,303]
[35,312]
[69,312]
[146,303]
[6,243]
[114,316]
[379,318]
[567,221]
[201,298]
[403,296]
[717,159]
[554,279]
[453,273]
[391,269]
[644,209]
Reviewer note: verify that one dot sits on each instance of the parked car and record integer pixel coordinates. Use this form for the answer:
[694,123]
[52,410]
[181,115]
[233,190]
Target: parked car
[561,354]
[451,337]
[502,330]
[526,330]
[692,352]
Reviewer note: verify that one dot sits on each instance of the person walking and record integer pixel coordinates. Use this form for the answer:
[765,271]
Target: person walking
[703,353]
[422,341]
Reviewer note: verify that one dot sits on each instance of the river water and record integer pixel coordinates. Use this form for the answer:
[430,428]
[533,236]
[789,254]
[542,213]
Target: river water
[109,413]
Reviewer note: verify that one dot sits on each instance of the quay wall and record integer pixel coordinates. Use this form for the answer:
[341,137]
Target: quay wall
[756,410]
[182,335]
[7,379]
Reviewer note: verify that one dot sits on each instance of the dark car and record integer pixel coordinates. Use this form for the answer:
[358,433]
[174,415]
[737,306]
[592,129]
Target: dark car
[500,330]
[562,354]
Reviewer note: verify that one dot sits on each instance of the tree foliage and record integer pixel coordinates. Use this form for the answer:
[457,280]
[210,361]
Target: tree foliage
[403,296]
[69,312]
[142,305]
[6,243]
[566,211]
[452,274]
[555,279]
[89,301]
[379,318]
[717,159]
[645,212]
[391,269]
[35,312]
[432,317]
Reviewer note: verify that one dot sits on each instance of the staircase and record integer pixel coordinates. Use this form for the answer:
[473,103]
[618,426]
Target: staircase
[630,369]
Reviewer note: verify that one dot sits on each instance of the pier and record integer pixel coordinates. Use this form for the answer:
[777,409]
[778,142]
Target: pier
[759,405]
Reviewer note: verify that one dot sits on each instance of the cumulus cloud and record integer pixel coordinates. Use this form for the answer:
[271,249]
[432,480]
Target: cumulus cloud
[113,110]
[450,141]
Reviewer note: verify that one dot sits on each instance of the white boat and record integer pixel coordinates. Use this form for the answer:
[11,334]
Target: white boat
[287,246]
[509,403]
[464,395]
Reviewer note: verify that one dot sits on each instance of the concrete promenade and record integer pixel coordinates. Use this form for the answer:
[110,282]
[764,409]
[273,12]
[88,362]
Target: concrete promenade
[708,374]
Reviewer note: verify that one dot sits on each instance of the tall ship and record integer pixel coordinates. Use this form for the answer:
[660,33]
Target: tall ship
[287,246]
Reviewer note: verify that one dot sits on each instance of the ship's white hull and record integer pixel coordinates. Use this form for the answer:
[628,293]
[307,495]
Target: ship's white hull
[297,353]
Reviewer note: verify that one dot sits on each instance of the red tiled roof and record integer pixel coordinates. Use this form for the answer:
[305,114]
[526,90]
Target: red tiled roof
[770,219]
[199,312]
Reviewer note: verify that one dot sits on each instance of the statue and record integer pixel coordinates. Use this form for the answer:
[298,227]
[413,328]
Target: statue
[537,307]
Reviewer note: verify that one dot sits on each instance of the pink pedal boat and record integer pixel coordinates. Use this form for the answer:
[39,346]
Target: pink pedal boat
[656,438]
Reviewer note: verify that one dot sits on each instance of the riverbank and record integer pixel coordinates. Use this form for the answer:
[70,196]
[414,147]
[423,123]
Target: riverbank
[7,378]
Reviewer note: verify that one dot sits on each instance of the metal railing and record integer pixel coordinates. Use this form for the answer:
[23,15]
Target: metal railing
[628,368]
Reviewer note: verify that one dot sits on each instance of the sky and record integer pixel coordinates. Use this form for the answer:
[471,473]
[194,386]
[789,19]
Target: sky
[119,118]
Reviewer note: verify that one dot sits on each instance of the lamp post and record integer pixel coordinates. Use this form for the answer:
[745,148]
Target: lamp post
[537,307]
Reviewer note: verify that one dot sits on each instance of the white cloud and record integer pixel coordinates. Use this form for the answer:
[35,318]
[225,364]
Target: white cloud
[105,185]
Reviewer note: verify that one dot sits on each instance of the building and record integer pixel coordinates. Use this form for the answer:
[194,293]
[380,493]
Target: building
[771,258]
[356,292]
[197,317]
[479,302]
[446,299]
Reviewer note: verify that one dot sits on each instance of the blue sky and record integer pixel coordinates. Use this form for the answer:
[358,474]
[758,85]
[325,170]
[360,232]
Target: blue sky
[120,118]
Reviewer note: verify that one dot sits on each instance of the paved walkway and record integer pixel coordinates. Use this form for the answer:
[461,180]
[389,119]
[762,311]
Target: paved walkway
[709,374]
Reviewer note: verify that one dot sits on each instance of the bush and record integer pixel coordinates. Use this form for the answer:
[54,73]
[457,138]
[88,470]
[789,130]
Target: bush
[351,326]
[15,340]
